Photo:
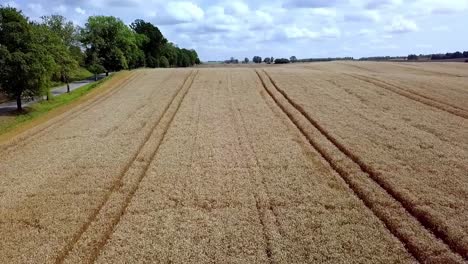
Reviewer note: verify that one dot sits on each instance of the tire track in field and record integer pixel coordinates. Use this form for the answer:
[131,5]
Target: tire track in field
[262,197]
[410,91]
[24,138]
[413,228]
[417,70]
[358,67]
[446,107]
[93,235]
[131,115]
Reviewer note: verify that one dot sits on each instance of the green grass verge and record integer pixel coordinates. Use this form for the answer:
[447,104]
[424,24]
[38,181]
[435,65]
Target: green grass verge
[81,74]
[77,75]
[41,108]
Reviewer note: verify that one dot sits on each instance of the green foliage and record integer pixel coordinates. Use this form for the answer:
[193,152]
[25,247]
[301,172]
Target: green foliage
[169,50]
[293,59]
[281,61]
[94,65]
[80,74]
[257,59]
[26,65]
[66,30]
[35,55]
[153,41]
[63,45]
[163,62]
[41,108]
[113,42]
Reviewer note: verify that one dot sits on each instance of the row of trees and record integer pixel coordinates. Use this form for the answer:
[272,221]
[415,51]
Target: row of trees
[35,53]
[422,57]
[454,55]
[325,59]
[267,60]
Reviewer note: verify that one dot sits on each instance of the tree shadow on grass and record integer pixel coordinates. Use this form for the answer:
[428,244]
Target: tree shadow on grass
[13,111]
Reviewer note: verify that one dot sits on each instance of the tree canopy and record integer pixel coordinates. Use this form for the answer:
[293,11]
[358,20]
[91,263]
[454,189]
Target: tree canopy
[35,53]
[26,65]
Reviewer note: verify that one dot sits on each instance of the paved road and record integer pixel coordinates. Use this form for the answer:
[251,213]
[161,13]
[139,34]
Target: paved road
[10,106]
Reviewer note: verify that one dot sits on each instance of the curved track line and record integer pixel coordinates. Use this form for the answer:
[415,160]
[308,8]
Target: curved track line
[29,135]
[455,110]
[117,186]
[418,251]
[261,196]
[412,92]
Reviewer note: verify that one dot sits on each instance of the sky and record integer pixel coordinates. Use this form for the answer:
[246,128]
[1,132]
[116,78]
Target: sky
[222,29]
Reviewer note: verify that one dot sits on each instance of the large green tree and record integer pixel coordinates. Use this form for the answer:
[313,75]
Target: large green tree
[155,41]
[170,51]
[62,42]
[25,63]
[115,44]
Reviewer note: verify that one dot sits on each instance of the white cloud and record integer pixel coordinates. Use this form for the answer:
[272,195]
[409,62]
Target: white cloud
[310,27]
[12,4]
[380,4]
[80,11]
[62,9]
[325,12]
[293,32]
[400,25]
[442,7]
[310,4]
[236,8]
[366,32]
[363,16]
[180,12]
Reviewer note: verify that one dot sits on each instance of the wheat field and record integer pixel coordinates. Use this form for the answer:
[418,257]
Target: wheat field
[342,162]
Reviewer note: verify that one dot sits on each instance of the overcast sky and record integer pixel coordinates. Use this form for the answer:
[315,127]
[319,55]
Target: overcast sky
[282,28]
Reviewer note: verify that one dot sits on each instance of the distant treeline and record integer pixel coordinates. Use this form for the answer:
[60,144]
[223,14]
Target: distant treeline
[383,58]
[325,59]
[420,57]
[35,53]
[292,59]
[446,56]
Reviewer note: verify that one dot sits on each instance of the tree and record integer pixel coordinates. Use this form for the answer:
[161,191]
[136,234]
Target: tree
[193,57]
[163,62]
[293,59]
[281,61]
[95,65]
[154,43]
[115,44]
[257,59]
[66,30]
[25,64]
[272,59]
[169,50]
[412,57]
[246,60]
[183,58]
[267,60]
[61,42]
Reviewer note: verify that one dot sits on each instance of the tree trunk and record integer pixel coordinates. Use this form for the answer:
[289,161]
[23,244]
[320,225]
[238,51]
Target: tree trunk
[95,77]
[18,102]
[68,87]
[107,73]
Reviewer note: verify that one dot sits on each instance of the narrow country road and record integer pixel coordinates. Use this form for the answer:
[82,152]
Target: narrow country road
[7,107]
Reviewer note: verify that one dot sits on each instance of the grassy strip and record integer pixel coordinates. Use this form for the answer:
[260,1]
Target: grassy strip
[81,74]
[39,109]
[77,75]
